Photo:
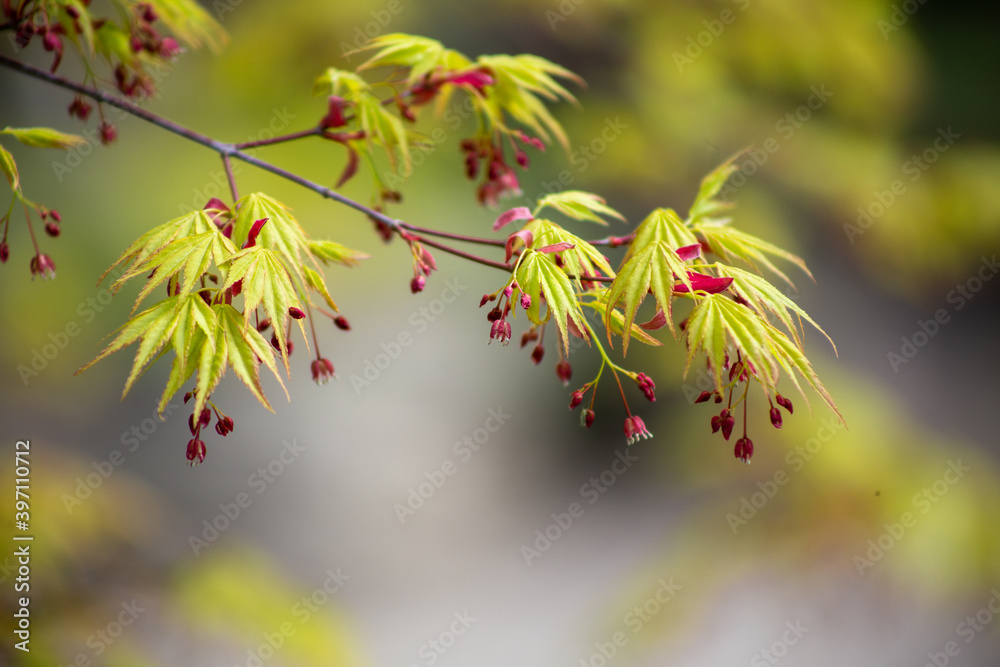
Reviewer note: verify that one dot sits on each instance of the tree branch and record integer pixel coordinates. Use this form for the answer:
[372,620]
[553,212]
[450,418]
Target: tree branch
[224,149]
[235,151]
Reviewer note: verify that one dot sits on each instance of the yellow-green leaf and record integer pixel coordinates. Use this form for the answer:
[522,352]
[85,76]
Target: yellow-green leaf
[654,268]
[537,274]
[315,280]
[579,206]
[329,252]
[764,297]
[705,203]
[728,243]
[190,256]
[266,281]
[663,224]
[9,168]
[281,233]
[579,260]
[339,82]
[44,137]
[190,224]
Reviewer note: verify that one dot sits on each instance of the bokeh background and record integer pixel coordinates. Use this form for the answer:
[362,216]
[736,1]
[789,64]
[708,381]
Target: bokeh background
[688,557]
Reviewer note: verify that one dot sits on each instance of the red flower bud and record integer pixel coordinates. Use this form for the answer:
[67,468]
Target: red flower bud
[417,284]
[263,325]
[42,265]
[195,451]
[564,372]
[575,399]
[587,418]
[727,425]
[635,429]
[169,48]
[322,370]
[342,323]
[296,313]
[108,132]
[80,108]
[52,229]
[4,252]
[537,354]
[776,417]
[783,402]
[744,449]
[703,396]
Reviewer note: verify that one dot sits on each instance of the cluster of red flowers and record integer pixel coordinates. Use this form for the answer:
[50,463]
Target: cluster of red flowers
[499,177]
[196,446]
[725,421]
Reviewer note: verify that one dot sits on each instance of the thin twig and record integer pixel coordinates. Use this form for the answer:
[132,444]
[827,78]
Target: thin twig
[229,176]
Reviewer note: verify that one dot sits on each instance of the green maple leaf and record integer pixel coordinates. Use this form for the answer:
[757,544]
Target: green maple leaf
[422,55]
[339,82]
[190,224]
[44,137]
[581,259]
[665,225]
[245,350]
[176,319]
[383,127]
[651,269]
[314,279]
[521,82]
[266,281]
[764,297]
[579,205]
[189,256]
[329,252]
[706,205]
[728,243]
[9,168]
[537,274]
[617,320]
[717,322]
[281,233]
